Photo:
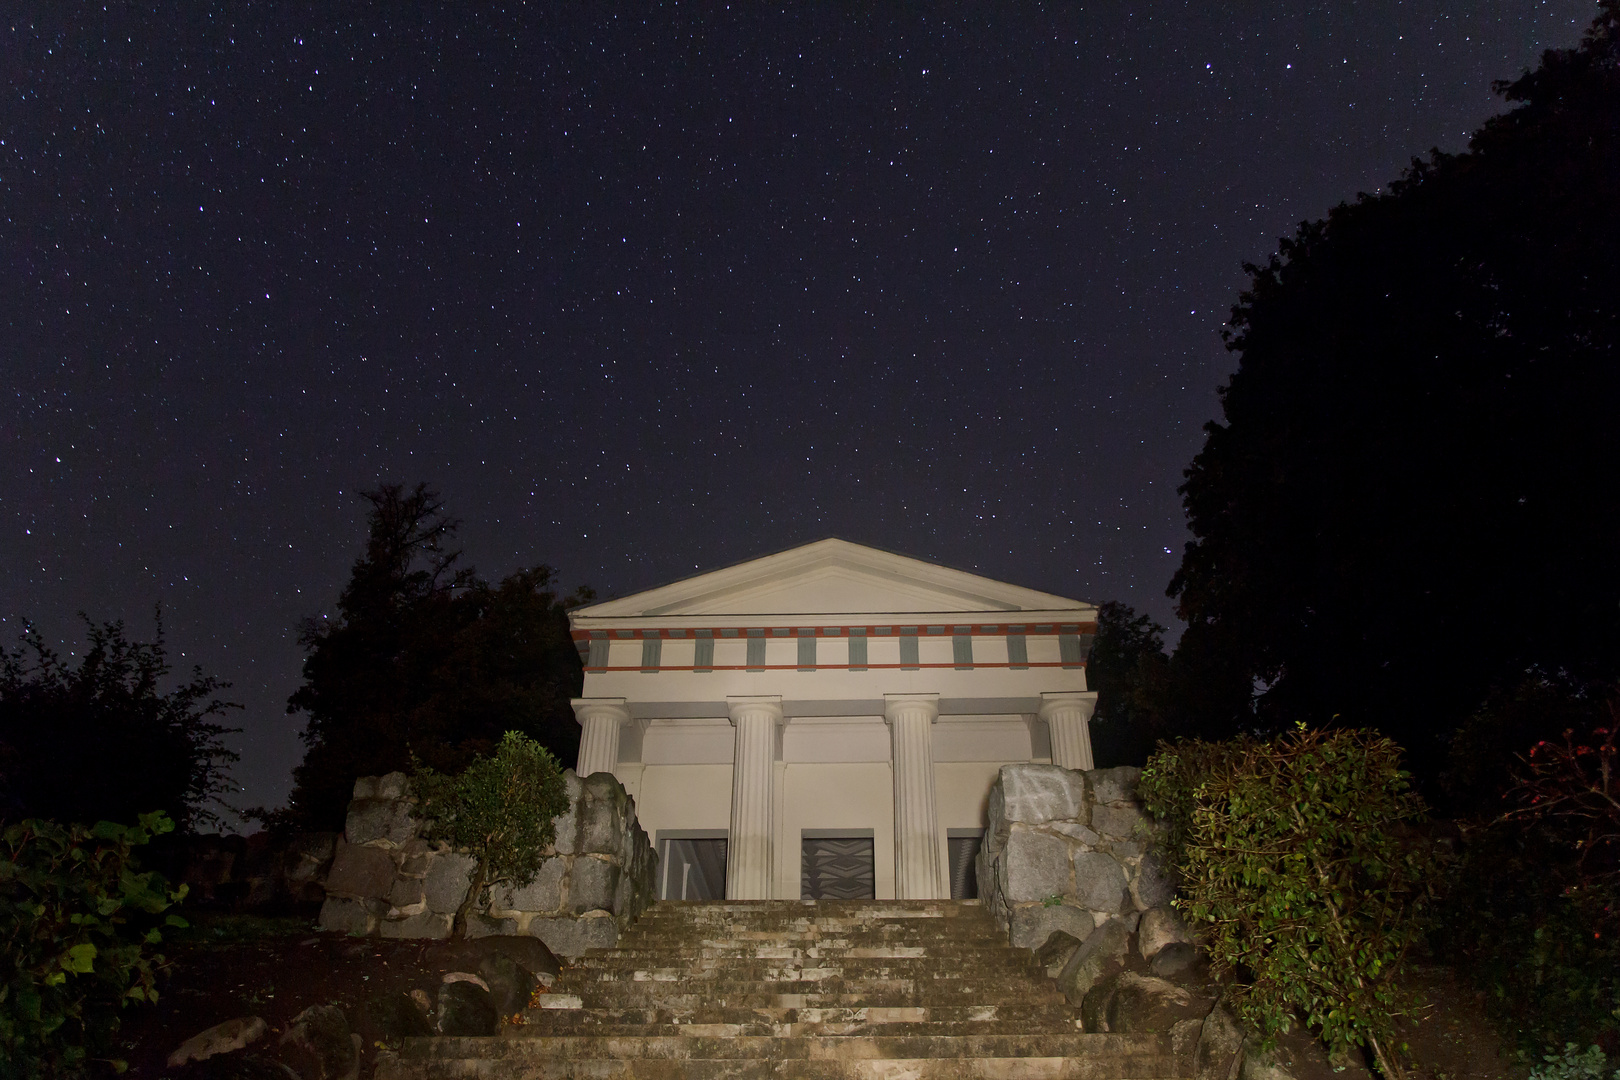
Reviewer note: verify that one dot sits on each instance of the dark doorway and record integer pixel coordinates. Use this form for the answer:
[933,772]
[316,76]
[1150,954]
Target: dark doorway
[837,868]
[963,848]
[694,867]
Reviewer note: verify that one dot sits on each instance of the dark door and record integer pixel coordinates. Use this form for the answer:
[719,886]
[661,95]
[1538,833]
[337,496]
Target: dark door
[838,868]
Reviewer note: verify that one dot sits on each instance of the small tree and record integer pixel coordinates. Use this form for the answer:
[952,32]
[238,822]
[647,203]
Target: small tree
[499,810]
[1289,859]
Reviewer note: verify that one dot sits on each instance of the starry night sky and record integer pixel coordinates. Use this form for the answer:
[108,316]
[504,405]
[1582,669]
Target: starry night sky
[651,292]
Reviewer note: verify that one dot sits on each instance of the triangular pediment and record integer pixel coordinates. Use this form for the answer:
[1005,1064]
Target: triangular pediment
[830,577]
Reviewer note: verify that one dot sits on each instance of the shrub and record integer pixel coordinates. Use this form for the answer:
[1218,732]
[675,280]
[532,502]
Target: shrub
[1291,865]
[1532,914]
[1574,1064]
[499,809]
[78,922]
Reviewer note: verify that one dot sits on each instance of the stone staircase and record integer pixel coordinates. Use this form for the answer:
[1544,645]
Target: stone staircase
[811,990]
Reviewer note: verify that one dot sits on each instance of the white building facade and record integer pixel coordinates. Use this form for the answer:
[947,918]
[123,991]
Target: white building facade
[827,721]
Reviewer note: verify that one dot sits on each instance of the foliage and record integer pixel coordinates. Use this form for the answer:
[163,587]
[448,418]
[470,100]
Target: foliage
[1532,914]
[1481,754]
[499,809]
[1574,1064]
[78,922]
[1423,406]
[1291,861]
[101,741]
[424,658]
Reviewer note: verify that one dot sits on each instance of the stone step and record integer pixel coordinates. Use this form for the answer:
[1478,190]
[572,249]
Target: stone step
[550,1026]
[1056,1016]
[812,950]
[990,989]
[812,967]
[628,998]
[515,1046]
[1103,1066]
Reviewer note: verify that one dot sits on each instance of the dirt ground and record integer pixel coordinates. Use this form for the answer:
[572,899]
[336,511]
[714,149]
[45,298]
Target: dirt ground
[230,966]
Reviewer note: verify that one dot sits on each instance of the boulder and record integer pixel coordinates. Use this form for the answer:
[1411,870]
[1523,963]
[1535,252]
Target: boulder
[603,808]
[394,785]
[318,1045]
[510,983]
[591,884]
[1174,960]
[1031,926]
[431,925]
[366,872]
[379,820]
[1100,952]
[1036,864]
[406,893]
[530,952]
[1129,1003]
[219,1039]
[399,1016]
[1034,794]
[1114,785]
[1152,884]
[565,826]
[1055,952]
[1261,1064]
[1099,883]
[1160,926]
[448,876]
[237,1066]
[466,1009]
[1220,1041]
[1076,831]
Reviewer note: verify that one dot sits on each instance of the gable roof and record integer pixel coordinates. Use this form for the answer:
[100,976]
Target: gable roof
[829,577]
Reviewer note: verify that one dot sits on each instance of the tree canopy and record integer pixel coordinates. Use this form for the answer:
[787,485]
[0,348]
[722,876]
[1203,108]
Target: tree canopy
[1410,500]
[424,657]
[101,740]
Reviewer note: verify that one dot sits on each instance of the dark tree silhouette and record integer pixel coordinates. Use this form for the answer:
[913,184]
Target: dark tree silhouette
[102,741]
[424,658]
[1412,499]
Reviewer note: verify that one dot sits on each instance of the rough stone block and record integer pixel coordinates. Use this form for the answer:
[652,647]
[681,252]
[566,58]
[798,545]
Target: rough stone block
[1099,883]
[565,826]
[378,821]
[361,871]
[591,885]
[571,937]
[1096,956]
[365,787]
[318,1044]
[1036,866]
[1176,958]
[1055,953]
[1114,785]
[1035,794]
[482,926]
[447,879]
[509,982]
[394,785]
[345,916]
[1152,884]
[467,1010]
[425,924]
[407,892]
[1219,1043]
[602,813]
[1031,926]
[1160,926]
[1120,822]
[1076,831]
[544,893]
[1129,1003]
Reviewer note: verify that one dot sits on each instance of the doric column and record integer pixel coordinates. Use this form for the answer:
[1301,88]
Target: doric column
[748,848]
[600,719]
[916,816]
[1068,718]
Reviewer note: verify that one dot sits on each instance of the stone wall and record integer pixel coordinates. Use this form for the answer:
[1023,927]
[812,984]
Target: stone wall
[387,881]
[1067,850]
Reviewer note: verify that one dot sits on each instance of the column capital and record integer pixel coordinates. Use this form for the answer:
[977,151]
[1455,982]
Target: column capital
[897,704]
[600,707]
[753,705]
[1053,700]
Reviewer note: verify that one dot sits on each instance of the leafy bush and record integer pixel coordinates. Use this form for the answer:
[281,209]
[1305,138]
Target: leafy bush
[1574,1064]
[1532,914]
[499,809]
[1292,867]
[78,921]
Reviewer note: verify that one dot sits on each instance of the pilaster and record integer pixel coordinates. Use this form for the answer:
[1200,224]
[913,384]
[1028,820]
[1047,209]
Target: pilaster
[916,816]
[599,722]
[749,864]
[1068,719]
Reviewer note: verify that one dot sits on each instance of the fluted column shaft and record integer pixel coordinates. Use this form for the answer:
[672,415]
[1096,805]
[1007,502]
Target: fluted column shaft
[599,722]
[916,816]
[749,850]
[1068,719]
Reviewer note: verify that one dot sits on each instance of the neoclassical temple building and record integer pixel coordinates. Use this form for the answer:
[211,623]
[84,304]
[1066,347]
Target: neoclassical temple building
[827,721]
